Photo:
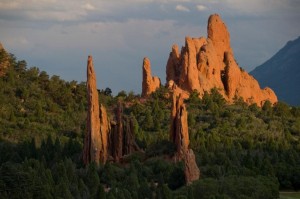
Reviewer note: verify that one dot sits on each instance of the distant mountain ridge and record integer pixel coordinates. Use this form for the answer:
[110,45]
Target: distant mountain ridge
[282,73]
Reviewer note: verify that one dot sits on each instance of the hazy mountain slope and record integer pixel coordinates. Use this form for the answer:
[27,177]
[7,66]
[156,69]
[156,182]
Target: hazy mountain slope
[282,73]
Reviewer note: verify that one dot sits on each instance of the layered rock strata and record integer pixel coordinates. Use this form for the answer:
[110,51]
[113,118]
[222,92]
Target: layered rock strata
[179,135]
[205,63]
[149,84]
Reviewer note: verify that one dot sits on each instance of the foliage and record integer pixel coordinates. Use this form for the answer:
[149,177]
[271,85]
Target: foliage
[243,151]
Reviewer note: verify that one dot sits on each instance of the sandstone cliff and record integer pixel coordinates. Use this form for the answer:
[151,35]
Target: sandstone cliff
[205,63]
[150,84]
[179,135]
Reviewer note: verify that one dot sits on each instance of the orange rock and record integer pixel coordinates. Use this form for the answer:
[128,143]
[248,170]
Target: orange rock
[105,138]
[92,142]
[150,84]
[179,135]
[105,131]
[191,170]
[207,63]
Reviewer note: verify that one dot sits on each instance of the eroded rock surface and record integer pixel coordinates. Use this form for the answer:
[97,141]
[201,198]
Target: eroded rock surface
[179,135]
[205,63]
[105,139]
[92,142]
[149,84]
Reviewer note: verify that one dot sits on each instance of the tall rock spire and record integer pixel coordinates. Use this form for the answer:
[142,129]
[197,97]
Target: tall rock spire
[98,125]
[150,84]
[105,138]
[92,142]
[179,135]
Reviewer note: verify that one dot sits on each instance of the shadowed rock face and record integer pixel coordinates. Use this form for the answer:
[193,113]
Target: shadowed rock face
[105,138]
[150,84]
[205,63]
[123,142]
[179,135]
[117,149]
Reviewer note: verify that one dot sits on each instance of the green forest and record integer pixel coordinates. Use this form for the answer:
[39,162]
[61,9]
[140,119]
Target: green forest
[242,151]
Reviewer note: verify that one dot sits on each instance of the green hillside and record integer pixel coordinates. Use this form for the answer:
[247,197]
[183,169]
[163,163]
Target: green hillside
[242,151]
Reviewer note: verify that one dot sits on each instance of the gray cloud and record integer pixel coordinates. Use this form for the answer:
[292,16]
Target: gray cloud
[57,36]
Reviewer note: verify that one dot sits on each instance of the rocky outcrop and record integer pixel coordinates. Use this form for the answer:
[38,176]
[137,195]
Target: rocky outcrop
[105,139]
[205,63]
[179,135]
[105,133]
[130,145]
[123,142]
[92,142]
[150,84]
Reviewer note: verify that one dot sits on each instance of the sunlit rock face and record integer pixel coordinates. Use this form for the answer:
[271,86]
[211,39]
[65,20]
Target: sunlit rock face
[105,139]
[92,142]
[205,63]
[149,84]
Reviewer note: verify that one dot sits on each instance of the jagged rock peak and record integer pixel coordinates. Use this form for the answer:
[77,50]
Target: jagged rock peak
[149,84]
[96,141]
[217,32]
[105,140]
[207,63]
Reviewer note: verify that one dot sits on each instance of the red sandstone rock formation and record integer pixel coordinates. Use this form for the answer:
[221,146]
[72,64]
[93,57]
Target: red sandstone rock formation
[92,142]
[179,135]
[123,142]
[103,138]
[205,63]
[150,84]
[105,131]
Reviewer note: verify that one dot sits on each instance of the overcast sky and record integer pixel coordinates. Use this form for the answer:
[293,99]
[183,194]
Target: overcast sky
[57,36]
